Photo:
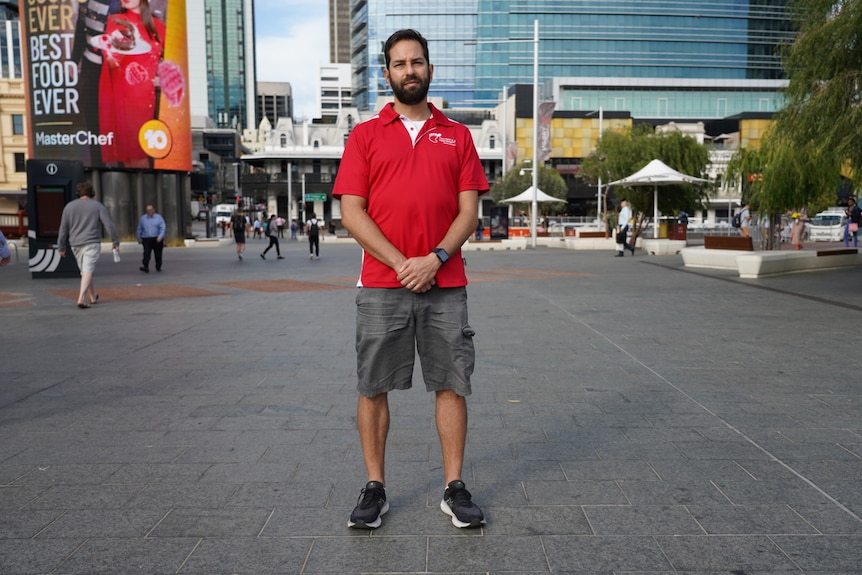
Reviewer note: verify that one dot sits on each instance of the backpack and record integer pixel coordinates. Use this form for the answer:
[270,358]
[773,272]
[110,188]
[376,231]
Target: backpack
[313,229]
[737,220]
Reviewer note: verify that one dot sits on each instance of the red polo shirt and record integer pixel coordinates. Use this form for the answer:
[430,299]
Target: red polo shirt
[411,189]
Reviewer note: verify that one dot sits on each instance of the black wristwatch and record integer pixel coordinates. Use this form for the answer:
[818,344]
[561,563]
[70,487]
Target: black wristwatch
[441,255]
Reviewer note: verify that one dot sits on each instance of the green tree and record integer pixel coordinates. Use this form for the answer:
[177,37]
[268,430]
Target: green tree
[824,96]
[622,153]
[514,182]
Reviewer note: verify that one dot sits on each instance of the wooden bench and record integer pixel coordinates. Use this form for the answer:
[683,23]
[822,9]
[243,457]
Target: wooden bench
[838,252]
[739,243]
[583,234]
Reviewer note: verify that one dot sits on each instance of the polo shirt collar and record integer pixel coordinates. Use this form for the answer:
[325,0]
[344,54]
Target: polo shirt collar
[437,118]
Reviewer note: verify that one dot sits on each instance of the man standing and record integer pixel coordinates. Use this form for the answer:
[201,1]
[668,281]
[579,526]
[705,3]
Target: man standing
[411,159]
[151,235]
[623,228]
[237,223]
[81,227]
[745,220]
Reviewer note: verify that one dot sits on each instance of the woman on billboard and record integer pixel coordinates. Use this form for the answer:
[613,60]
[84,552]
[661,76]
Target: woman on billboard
[132,48]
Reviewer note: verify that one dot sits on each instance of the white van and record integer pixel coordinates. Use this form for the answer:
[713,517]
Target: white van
[828,225]
[224,212]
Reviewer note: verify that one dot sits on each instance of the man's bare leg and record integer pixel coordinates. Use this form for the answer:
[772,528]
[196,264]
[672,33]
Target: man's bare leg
[451,415]
[372,420]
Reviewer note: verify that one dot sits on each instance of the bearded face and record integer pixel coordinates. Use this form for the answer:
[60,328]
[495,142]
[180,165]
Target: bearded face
[409,73]
[412,90]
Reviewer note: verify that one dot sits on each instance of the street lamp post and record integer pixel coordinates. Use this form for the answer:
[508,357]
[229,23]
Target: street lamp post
[599,192]
[535,129]
[535,42]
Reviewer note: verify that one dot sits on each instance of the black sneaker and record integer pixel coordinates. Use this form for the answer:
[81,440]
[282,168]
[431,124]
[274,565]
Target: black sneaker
[370,506]
[457,504]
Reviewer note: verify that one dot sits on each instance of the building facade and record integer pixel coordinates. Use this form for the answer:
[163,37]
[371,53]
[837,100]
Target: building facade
[13,115]
[334,91]
[339,31]
[274,101]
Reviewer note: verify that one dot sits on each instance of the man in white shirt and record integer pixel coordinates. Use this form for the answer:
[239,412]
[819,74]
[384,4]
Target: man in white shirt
[623,228]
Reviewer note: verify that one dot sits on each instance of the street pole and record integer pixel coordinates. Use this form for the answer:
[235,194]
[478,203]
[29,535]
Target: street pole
[599,196]
[535,129]
[505,142]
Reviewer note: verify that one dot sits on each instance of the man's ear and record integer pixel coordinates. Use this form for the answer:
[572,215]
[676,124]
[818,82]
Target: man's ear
[386,76]
[430,72]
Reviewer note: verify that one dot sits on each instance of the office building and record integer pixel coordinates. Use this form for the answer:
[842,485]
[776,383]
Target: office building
[230,63]
[334,93]
[339,31]
[274,101]
[662,60]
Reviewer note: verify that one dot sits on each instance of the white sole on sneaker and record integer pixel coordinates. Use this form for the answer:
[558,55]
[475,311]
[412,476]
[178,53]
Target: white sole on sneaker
[455,521]
[374,524]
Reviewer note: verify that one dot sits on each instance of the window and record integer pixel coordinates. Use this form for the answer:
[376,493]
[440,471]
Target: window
[20,162]
[17,124]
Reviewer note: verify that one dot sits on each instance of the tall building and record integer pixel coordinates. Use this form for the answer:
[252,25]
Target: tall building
[655,59]
[339,31]
[335,90]
[230,63]
[274,101]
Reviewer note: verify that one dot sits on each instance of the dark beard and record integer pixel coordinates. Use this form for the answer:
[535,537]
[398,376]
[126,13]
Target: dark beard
[413,95]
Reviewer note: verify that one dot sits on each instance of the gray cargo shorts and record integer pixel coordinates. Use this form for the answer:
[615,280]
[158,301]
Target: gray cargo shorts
[393,324]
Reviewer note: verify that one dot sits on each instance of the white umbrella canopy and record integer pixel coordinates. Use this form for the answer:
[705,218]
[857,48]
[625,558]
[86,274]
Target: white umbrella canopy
[527,196]
[656,174]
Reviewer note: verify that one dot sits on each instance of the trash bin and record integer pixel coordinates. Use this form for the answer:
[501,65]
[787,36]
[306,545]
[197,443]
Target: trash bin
[662,229]
[679,231]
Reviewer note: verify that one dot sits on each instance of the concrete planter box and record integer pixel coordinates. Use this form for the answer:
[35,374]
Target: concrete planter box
[662,247]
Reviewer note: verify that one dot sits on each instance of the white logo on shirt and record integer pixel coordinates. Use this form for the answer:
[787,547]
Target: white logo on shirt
[438,138]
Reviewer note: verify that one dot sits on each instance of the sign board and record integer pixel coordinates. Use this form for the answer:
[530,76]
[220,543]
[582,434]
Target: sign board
[315,197]
[107,84]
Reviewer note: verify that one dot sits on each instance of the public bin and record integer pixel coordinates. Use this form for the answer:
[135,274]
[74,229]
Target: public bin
[678,231]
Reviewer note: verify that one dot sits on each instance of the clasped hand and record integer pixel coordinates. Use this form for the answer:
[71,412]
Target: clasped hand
[418,274]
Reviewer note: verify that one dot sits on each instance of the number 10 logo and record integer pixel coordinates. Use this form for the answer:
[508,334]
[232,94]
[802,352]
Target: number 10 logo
[155,139]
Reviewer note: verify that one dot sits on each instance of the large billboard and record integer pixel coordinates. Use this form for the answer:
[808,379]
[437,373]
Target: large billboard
[107,82]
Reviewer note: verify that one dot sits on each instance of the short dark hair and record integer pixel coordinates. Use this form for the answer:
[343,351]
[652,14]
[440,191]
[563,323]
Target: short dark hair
[85,189]
[405,34]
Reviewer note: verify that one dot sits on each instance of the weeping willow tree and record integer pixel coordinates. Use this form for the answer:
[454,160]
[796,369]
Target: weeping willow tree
[815,136]
[823,111]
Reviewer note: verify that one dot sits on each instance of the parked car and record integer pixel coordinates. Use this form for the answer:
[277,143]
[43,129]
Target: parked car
[828,226]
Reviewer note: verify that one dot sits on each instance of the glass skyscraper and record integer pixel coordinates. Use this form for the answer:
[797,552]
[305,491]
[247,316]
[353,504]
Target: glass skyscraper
[655,59]
[230,63]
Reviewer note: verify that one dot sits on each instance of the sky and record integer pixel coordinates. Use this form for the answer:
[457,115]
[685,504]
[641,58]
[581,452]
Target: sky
[292,40]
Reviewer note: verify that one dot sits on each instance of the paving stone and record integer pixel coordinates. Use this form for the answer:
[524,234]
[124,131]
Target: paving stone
[620,421]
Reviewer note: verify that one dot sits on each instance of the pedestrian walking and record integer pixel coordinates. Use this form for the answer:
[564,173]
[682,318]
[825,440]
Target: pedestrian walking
[257,225]
[312,230]
[238,224]
[280,221]
[623,229]
[412,269]
[272,234]
[5,254]
[293,227]
[151,235]
[81,228]
[854,218]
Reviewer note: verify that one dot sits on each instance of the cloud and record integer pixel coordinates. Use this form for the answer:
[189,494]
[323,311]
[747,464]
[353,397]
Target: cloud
[290,48]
